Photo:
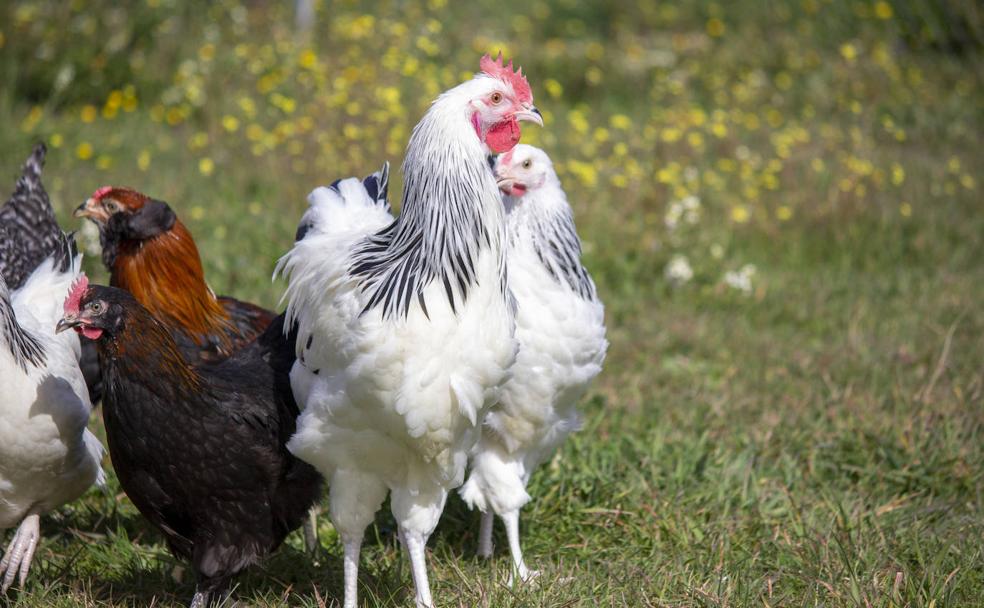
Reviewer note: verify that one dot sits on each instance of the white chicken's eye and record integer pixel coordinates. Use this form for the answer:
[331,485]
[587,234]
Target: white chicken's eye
[496,98]
[527,163]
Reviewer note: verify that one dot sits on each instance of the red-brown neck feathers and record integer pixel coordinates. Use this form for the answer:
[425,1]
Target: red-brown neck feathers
[146,351]
[165,274]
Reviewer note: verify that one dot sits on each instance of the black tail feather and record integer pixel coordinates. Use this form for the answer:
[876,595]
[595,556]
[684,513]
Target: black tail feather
[30,222]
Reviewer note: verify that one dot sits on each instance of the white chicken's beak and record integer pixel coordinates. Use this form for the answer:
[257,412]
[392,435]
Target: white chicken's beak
[530,113]
[505,184]
[508,184]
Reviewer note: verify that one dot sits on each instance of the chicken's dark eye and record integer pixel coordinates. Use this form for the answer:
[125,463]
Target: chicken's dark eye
[111,205]
[527,163]
[97,307]
[496,98]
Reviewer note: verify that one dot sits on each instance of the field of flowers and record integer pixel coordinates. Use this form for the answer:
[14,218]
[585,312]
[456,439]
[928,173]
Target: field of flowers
[781,204]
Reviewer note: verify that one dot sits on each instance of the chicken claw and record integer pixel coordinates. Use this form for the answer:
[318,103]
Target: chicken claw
[20,551]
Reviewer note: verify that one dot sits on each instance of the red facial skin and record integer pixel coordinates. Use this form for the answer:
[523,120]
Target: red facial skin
[92,333]
[503,136]
[515,189]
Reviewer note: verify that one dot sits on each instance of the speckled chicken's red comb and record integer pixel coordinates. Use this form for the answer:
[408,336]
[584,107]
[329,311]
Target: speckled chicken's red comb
[74,299]
[496,69]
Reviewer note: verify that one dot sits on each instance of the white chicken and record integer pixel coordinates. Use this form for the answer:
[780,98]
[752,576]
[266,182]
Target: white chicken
[406,325]
[560,327]
[47,456]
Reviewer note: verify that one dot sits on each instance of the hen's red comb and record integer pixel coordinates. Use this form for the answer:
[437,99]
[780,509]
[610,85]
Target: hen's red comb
[496,69]
[74,299]
[98,194]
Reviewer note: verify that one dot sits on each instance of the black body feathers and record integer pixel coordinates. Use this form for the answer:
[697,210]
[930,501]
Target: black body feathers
[200,450]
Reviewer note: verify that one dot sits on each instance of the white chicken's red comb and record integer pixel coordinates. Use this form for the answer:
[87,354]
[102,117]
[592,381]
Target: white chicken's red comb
[74,299]
[496,69]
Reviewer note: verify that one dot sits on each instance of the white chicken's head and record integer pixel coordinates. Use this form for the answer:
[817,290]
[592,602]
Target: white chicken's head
[498,99]
[523,169]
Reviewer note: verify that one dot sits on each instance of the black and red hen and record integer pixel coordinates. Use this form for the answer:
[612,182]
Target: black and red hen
[150,253]
[199,449]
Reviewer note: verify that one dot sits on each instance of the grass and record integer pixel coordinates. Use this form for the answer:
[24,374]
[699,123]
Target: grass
[815,441]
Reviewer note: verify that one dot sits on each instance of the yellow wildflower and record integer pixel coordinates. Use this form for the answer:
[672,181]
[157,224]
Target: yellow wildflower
[740,214]
[715,27]
[84,151]
[554,89]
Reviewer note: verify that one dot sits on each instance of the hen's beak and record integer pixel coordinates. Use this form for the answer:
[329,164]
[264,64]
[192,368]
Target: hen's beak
[530,113]
[510,185]
[67,322]
[505,184]
[92,210]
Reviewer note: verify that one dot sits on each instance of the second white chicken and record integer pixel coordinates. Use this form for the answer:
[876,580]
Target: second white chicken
[561,332]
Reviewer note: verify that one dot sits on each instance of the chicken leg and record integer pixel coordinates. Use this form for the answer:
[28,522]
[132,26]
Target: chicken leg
[310,528]
[17,560]
[415,542]
[353,546]
[511,520]
[485,534]
[200,600]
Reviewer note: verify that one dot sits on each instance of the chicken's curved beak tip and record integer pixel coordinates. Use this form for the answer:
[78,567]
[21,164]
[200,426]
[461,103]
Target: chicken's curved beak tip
[66,323]
[531,114]
[510,186]
[83,209]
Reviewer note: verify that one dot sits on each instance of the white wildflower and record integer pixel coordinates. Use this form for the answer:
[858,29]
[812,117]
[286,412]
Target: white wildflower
[672,217]
[691,209]
[686,209]
[678,271]
[742,279]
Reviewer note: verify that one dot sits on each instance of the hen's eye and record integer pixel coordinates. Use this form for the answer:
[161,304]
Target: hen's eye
[111,205]
[496,98]
[527,163]
[97,307]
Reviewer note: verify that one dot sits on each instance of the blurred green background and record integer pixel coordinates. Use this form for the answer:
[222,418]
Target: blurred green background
[780,202]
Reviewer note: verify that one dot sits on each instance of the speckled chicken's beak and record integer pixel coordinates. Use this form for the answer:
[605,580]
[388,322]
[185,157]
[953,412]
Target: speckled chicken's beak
[92,210]
[530,113]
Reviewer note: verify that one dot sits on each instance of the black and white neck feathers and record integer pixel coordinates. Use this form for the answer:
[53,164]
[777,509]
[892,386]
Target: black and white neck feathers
[543,219]
[25,349]
[451,214]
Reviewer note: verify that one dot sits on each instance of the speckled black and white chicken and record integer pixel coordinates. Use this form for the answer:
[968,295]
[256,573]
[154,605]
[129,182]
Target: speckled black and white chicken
[47,456]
